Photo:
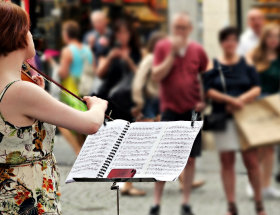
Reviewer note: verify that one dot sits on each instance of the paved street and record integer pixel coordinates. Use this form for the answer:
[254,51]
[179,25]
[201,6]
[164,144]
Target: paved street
[98,199]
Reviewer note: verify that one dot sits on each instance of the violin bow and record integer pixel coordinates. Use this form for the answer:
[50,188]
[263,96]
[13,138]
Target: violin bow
[61,87]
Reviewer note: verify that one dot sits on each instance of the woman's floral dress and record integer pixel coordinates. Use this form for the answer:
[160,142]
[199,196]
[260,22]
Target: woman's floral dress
[29,177]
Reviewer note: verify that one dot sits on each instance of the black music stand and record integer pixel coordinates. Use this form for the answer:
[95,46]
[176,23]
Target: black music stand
[116,180]
[114,185]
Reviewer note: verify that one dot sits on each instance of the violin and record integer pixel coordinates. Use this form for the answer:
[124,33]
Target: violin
[26,77]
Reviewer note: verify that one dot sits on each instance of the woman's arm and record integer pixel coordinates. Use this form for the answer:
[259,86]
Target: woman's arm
[104,62]
[140,80]
[223,98]
[160,71]
[131,65]
[65,62]
[249,58]
[129,62]
[250,95]
[40,105]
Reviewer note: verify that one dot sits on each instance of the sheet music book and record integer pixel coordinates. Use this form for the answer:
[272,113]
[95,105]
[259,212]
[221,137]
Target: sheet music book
[157,150]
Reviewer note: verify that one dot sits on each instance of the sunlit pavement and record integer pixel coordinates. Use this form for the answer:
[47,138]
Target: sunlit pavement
[97,198]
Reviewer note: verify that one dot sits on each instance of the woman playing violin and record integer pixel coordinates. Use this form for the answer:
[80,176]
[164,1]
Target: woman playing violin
[29,178]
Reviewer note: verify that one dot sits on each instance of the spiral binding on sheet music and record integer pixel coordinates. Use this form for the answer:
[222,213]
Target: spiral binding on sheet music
[112,153]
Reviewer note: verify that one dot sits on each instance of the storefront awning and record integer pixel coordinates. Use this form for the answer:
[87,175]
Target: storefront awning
[144,13]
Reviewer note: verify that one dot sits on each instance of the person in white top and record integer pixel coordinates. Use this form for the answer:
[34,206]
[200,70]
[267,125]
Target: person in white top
[250,38]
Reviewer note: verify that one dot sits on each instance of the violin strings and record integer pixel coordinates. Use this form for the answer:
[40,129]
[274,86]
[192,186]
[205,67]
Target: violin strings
[67,94]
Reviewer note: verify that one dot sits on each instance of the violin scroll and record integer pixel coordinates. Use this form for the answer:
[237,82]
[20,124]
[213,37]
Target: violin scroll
[24,73]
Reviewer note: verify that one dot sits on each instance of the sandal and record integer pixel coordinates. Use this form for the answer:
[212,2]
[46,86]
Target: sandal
[232,209]
[133,192]
[259,208]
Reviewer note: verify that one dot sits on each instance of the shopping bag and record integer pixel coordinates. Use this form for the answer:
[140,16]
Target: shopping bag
[258,123]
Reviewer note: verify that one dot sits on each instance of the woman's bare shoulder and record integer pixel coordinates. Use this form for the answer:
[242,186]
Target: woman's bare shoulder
[210,65]
[66,52]
[249,58]
[22,91]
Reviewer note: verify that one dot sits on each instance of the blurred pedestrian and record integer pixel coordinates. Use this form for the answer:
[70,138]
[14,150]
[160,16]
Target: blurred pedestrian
[231,83]
[117,62]
[72,61]
[248,41]
[266,58]
[145,91]
[250,38]
[177,63]
[98,38]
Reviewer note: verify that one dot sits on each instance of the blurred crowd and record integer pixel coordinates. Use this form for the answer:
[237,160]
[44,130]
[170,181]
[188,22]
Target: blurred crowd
[169,77]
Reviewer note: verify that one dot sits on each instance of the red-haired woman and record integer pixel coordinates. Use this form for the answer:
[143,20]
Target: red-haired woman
[29,177]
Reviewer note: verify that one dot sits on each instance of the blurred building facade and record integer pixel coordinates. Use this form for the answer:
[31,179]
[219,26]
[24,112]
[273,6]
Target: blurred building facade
[218,14]
[208,16]
[48,15]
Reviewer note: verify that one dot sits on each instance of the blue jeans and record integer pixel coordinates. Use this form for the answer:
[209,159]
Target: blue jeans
[151,108]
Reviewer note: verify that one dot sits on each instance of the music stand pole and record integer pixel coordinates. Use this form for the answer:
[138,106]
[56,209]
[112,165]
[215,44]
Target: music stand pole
[116,187]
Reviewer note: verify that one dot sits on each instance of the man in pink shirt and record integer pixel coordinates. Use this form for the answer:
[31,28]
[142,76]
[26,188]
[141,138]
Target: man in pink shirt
[177,65]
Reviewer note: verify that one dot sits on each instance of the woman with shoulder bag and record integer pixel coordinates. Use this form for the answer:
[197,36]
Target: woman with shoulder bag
[116,67]
[266,58]
[231,83]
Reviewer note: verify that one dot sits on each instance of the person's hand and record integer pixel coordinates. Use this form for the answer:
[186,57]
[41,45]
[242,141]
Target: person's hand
[125,56]
[91,40]
[103,41]
[136,113]
[177,43]
[50,61]
[230,108]
[115,53]
[236,103]
[39,81]
[94,101]
[199,106]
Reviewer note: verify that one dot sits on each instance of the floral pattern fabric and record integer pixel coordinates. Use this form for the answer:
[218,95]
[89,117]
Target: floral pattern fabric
[29,177]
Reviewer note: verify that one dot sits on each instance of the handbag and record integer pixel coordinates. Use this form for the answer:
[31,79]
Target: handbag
[216,121]
[87,78]
[121,94]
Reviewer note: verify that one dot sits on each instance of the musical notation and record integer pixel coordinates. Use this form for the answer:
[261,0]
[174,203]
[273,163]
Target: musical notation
[173,150]
[159,150]
[96,149]
[136,147]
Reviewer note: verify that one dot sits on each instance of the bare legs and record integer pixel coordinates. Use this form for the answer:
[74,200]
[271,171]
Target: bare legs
[251,162]
[250,159]
[72,140]
[252,165]
[81,139]
[188,176]
[266,159]
[228,174]
[158,192]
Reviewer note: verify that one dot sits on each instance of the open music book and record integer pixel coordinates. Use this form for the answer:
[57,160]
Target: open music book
[157,150]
